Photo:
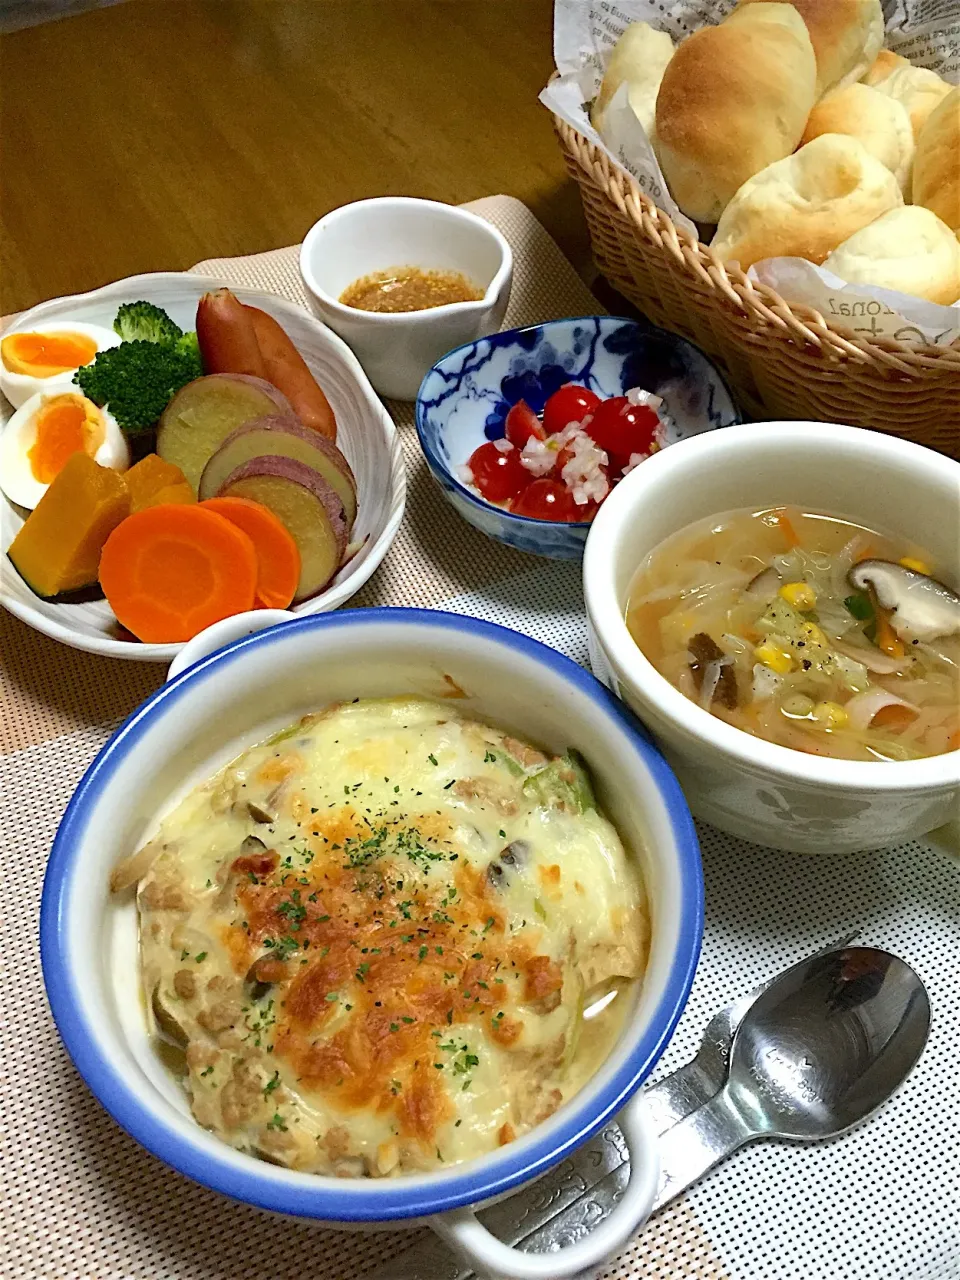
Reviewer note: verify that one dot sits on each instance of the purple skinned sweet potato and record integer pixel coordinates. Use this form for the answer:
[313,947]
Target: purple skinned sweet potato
[309,508]
[200,417]
[278,435]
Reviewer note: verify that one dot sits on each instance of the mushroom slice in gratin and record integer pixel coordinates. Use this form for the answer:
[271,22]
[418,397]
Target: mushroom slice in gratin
[374,939]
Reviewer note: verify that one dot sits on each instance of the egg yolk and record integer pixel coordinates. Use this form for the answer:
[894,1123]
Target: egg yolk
[42,355]
[64,425]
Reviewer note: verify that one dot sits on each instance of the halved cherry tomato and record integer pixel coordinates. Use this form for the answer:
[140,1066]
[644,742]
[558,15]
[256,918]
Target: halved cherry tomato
[498,474]
[622,429]
[546,500]
[568,404]
[522,423]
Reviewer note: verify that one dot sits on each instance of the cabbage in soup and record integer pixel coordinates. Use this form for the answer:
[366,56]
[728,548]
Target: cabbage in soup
[807,631]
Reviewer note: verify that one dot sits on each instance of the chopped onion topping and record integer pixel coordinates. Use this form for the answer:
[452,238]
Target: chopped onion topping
[637,395]
[465,474]
[538,458]
[503,445]
[635,460]
[582,472]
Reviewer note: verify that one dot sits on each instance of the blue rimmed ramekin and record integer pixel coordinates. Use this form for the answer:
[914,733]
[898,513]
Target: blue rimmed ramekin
[236,697]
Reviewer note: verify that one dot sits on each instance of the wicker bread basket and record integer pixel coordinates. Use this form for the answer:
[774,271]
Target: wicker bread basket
[783,360]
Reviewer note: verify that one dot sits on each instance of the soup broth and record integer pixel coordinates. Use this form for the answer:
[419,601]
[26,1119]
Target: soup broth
[752,615]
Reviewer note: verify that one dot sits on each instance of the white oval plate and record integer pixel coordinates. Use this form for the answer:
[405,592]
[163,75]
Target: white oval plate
[366,434]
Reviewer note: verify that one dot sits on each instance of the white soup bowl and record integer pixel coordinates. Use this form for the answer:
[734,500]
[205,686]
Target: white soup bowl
[749,787]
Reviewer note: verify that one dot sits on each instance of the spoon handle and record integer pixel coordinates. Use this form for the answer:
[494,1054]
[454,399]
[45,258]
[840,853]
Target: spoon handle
[697,1143]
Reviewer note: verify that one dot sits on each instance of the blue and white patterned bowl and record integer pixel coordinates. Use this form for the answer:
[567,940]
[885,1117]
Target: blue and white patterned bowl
[466,396]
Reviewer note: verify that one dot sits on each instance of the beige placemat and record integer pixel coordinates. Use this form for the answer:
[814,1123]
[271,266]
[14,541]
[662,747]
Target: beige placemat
[81,1201]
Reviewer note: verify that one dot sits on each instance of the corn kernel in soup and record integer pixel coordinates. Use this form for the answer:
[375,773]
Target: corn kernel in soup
[806,630]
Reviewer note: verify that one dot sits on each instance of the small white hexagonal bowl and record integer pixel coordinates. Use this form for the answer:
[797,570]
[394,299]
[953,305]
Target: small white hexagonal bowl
[365,433]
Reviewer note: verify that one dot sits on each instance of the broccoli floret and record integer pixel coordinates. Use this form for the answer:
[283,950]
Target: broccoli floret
[137,380]
[189,346]
[144,322]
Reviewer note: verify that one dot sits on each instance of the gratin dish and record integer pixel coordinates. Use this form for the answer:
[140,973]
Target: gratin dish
[366,432]
[743,784]
[204,717]
[465,398]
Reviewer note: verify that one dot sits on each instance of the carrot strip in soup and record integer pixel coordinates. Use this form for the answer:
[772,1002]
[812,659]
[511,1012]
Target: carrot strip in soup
[170,571]
[786,527]
[887,640]
[278,556]
[893,717]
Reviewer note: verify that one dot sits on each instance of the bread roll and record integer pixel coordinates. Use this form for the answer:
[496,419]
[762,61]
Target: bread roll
[733,99]
[639,59]
[885,62]
[878,121]
[846,35]
[806,205]
[936,169]
[918,90]
[908,249]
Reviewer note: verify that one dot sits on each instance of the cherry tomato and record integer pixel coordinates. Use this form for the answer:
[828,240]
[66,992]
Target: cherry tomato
[622,429]
[569,403]
[498,475]
[522,423]
[546,500]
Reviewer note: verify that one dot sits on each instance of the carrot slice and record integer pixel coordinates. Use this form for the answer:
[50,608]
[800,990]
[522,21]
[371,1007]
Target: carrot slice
[893,717]
[170,571]
[278,556]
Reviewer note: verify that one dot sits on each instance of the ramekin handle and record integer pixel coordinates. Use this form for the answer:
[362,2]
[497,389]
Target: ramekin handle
[493,1260]
[220,633]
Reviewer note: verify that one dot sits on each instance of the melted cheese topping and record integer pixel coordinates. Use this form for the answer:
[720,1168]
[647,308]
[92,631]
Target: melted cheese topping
[375,937]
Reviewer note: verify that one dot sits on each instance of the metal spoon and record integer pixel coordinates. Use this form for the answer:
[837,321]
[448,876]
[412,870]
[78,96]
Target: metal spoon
[564,1204]
[821,1049]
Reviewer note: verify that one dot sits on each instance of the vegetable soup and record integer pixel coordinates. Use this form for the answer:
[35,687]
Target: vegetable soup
[806,630]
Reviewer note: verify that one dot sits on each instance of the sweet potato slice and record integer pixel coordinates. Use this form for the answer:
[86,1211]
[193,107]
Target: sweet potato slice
[306,504]
[279,436]
[200,417]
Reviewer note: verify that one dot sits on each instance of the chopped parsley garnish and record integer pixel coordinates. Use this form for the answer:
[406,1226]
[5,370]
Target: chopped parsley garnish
[489,758]
[271,1084]
[282,949]
[277,1122]
[294,910]
[200,957]
[432,758]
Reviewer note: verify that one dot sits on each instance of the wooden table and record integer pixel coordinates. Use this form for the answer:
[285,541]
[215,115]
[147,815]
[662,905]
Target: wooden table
[156,133]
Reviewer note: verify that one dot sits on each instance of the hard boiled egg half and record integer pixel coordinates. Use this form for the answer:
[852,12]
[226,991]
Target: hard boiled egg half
[42,435]
[37,359]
